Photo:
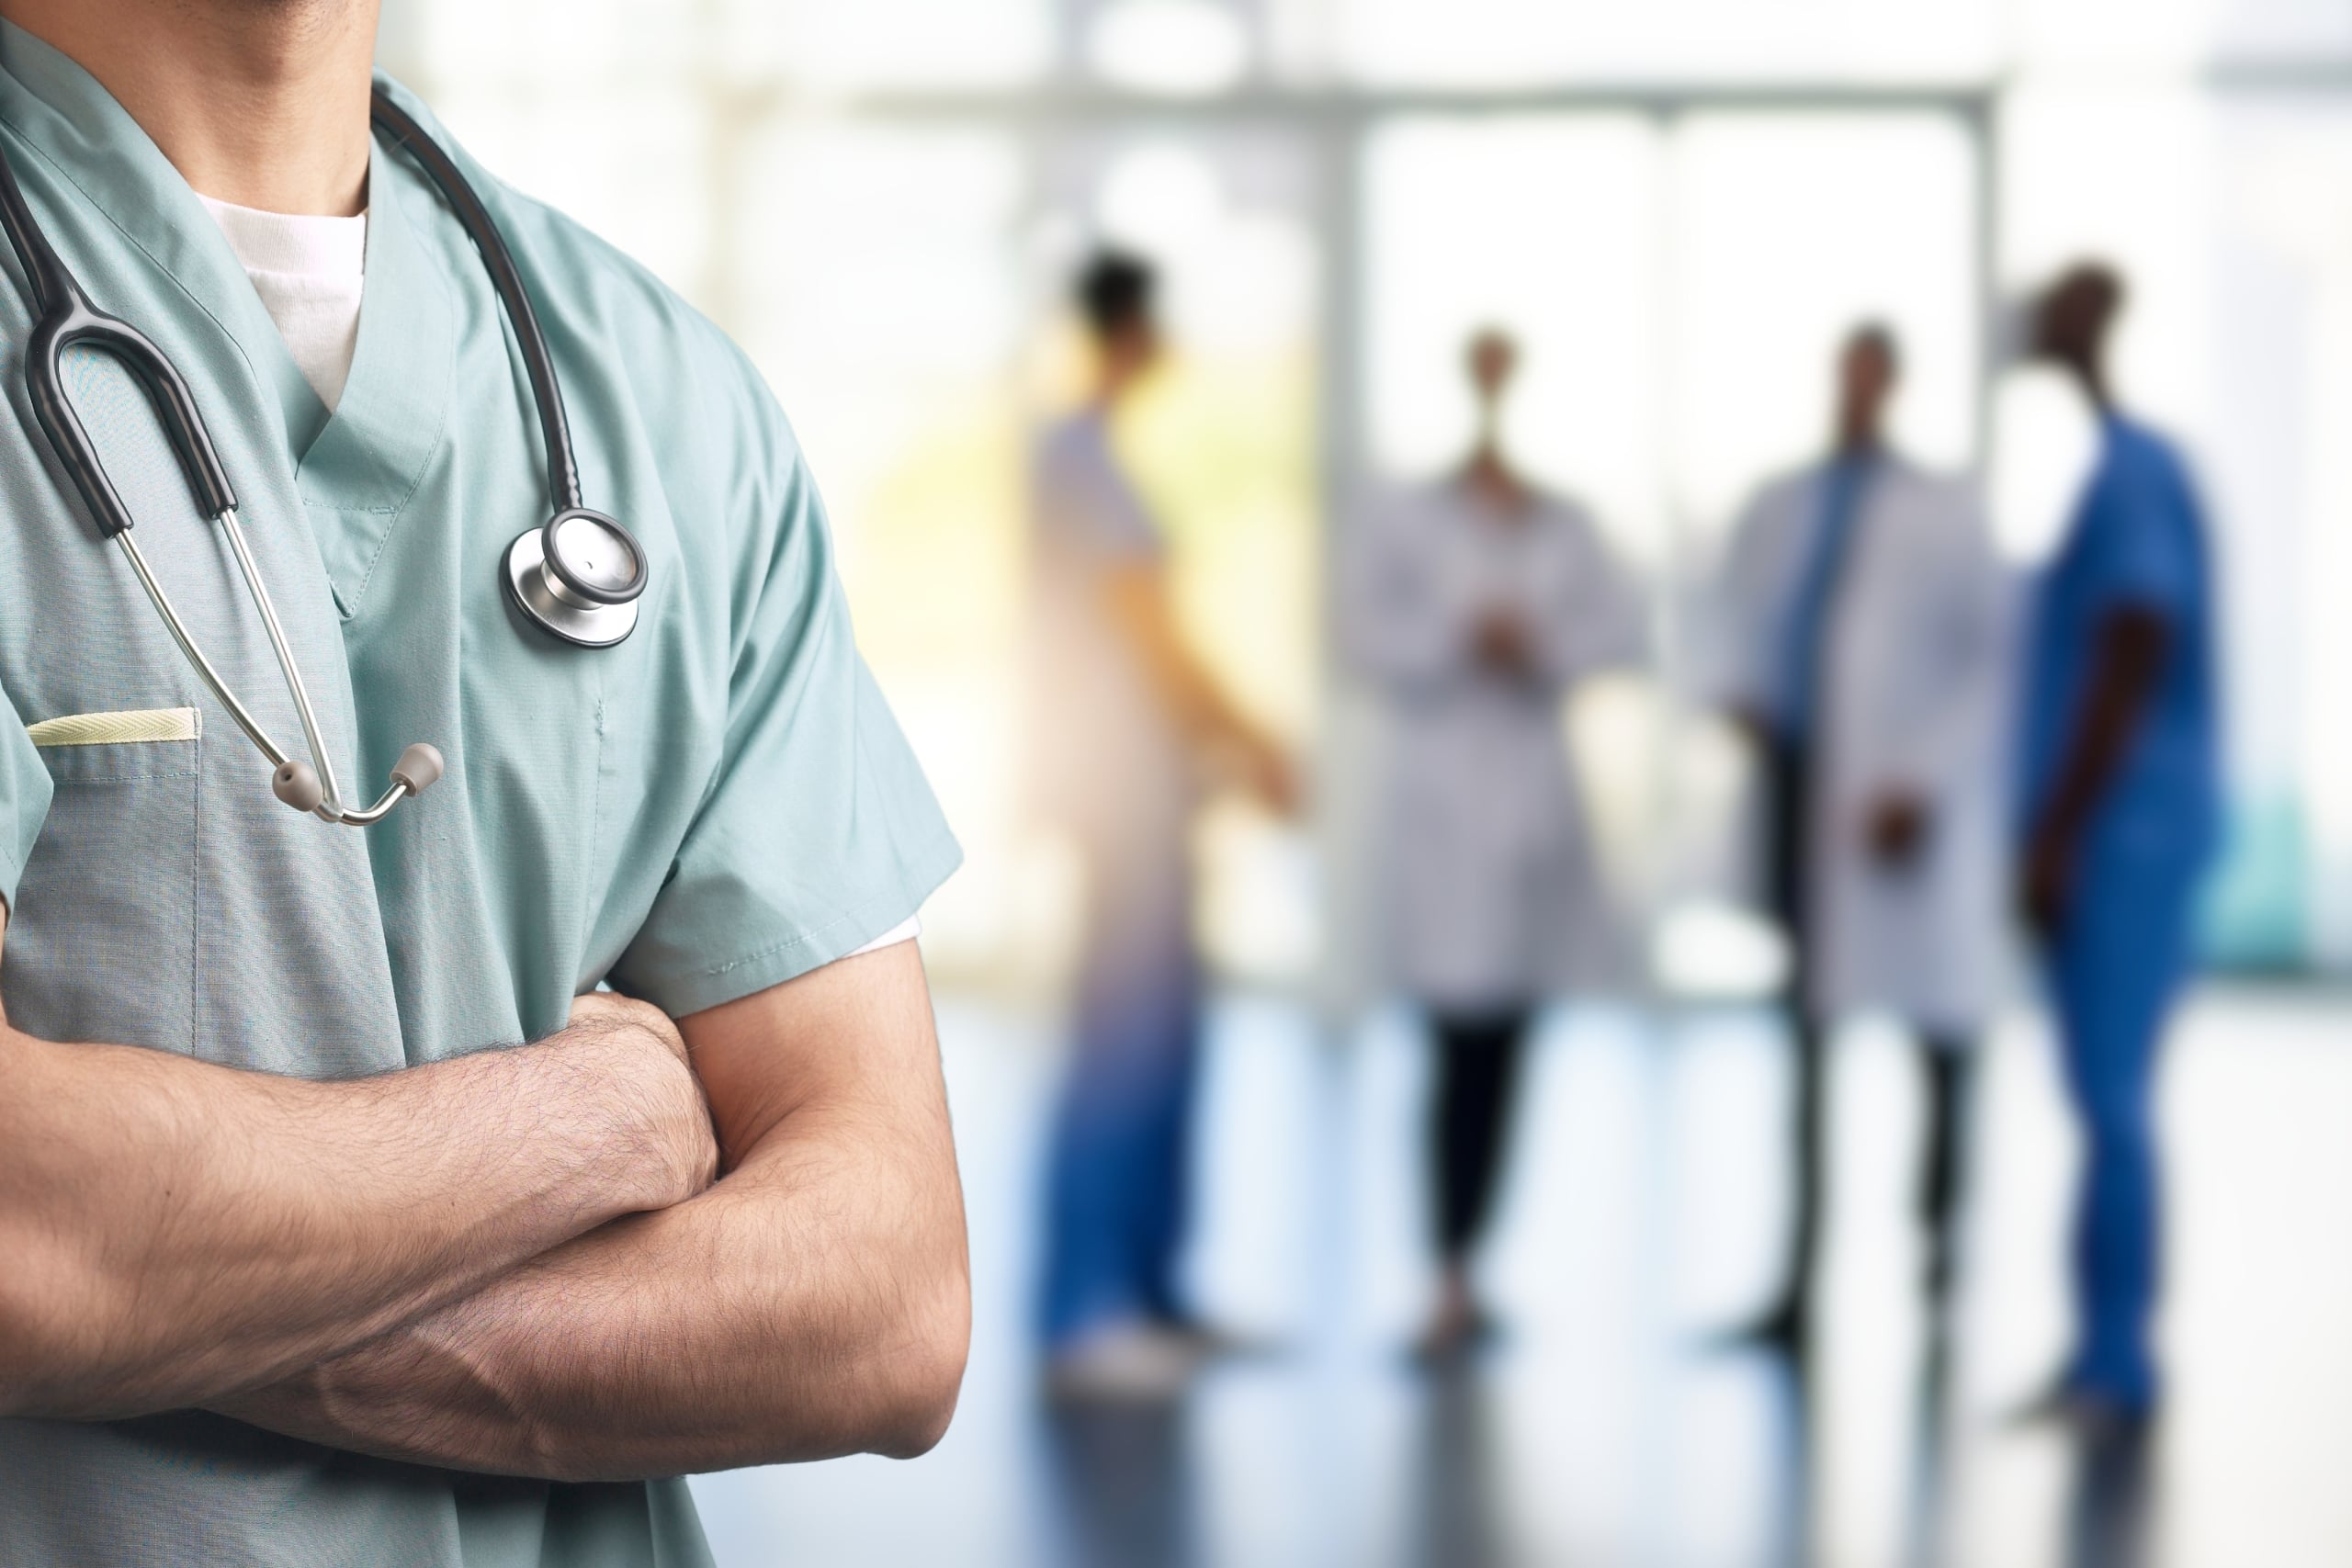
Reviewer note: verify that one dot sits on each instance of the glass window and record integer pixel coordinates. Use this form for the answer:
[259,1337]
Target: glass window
[1549,228]
[1531,42]
[889,43]
[876,276]
[2274,457]
[1788,230]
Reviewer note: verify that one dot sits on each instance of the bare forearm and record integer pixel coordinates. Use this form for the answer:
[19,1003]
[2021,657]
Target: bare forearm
[807,1306]
[2130,655]
[1140,605]
[176,1229]
[814,1301]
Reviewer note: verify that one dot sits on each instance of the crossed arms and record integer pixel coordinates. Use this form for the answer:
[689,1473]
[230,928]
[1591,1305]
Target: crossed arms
[629,1249]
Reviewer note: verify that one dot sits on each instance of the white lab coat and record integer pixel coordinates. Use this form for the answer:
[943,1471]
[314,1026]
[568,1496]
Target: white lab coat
[1916,676]
[1492,894]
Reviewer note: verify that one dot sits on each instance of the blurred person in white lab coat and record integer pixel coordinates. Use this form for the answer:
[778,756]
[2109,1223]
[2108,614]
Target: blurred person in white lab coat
[1864,624]
[1129,728]
[1475,604]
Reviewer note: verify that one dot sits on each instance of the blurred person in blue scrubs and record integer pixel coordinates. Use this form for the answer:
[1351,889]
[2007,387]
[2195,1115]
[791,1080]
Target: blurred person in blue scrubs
[1865,636]
[1476,605]
[2121,781]
[1129,731]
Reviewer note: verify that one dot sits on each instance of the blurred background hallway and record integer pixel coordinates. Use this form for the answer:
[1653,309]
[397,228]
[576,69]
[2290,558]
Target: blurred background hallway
[1677,211]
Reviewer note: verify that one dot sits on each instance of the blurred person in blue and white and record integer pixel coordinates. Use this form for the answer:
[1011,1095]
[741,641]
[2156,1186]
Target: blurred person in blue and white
[1864,624]
[2121,813]
[1129,729]
[1475,604]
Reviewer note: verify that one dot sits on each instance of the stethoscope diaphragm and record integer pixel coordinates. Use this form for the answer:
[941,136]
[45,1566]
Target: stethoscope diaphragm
[577,578]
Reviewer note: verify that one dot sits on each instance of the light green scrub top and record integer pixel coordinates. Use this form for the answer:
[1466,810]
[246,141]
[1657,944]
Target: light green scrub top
[721,803]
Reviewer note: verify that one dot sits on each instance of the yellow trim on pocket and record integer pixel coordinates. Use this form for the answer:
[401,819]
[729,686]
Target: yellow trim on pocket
[117,728]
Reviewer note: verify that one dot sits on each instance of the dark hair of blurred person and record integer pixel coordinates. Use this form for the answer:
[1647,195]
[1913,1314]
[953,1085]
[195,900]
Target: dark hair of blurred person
[1474,604]
[1125,721]
[1864,651]
[1117,295]
[2121,748]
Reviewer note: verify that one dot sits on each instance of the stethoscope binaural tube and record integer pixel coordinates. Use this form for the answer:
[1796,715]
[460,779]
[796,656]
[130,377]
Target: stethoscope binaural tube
[66,318]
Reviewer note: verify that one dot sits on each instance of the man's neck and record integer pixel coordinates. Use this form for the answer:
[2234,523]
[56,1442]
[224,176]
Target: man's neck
[1854,443]
[2090,375]
[262,103]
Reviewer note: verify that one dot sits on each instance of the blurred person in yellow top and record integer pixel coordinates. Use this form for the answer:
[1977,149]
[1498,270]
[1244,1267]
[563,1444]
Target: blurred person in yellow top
[1475,604]
[1865,629]
[1130,728]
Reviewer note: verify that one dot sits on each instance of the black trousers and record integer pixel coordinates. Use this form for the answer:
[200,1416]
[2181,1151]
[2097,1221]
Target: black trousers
[1477,1083]
[1944,1062]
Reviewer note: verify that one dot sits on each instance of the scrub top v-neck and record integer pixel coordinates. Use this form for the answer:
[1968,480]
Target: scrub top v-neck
[716,806]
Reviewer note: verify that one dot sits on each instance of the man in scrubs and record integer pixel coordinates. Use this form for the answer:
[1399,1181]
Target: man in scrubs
[308,1260]
[2121,799]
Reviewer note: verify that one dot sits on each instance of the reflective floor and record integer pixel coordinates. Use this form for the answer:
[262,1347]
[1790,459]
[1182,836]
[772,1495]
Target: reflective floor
[1643,1208]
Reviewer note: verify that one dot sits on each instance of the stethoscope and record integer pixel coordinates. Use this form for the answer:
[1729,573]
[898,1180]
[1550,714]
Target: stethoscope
[577,576]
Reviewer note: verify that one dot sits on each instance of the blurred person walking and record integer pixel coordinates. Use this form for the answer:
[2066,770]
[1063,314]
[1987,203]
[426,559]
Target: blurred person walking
[2121,799]
[1128,725]
[1475,604]
[1865,623]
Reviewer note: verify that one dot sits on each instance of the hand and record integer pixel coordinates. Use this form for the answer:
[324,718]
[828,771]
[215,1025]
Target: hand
[1899,825]
[1268,775]
[663,1101]
[2045,885]
[1750,725]
[1502,644]
[610,1010]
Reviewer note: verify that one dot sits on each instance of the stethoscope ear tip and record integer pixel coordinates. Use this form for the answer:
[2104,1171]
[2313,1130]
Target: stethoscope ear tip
[297,784]
[419,767]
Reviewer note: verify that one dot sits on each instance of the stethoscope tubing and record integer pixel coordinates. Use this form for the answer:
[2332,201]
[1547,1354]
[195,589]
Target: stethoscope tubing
[506,280]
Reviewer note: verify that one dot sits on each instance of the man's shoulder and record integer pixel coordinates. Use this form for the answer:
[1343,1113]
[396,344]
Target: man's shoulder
[1778,503]
[2144,469]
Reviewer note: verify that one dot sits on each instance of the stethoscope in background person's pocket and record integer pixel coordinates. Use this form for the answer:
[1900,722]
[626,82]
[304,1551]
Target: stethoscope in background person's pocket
[577,576]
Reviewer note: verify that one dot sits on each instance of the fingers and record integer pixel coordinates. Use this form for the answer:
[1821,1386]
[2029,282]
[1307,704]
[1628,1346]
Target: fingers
[615,1010]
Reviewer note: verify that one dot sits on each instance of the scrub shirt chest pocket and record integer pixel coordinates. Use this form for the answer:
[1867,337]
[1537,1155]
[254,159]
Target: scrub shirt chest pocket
[102,942]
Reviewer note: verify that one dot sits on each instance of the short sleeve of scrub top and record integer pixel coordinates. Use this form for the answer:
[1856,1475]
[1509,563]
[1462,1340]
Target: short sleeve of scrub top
[818,832]
[2151,550]
[24,799]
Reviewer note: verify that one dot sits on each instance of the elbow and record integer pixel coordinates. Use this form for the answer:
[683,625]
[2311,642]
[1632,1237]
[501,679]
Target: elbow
[921,1376]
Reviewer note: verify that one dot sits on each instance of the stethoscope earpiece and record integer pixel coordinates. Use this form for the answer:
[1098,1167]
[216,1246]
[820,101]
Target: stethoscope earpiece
[578,578]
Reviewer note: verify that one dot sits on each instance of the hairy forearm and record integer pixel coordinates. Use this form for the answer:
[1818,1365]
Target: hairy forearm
[175,1229]
[813,1303]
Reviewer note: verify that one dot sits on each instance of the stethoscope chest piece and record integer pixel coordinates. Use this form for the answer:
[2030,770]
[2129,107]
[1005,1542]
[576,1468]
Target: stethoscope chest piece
[578,578]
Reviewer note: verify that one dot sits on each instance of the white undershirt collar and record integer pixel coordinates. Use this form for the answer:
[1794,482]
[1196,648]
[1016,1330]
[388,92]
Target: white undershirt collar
[308,271]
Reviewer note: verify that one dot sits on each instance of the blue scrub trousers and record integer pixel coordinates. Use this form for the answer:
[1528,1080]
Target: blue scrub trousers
[2117,966]
[1118,1174]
